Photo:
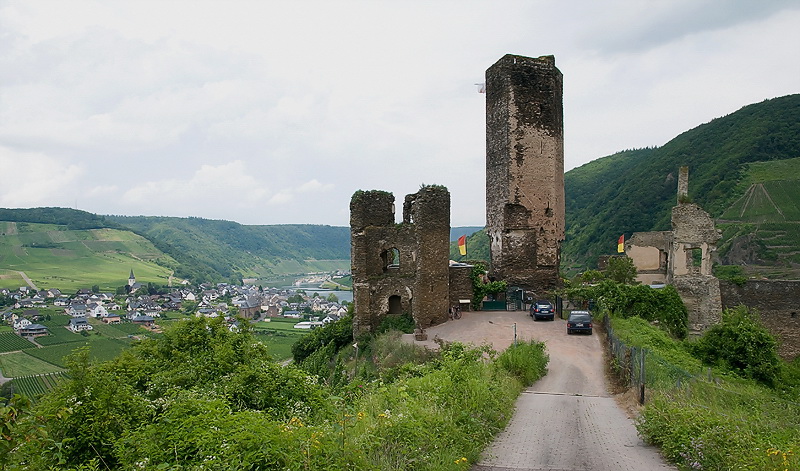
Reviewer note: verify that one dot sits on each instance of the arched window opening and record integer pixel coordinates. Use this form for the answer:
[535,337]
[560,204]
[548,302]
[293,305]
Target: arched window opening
[390,259]
[395,305]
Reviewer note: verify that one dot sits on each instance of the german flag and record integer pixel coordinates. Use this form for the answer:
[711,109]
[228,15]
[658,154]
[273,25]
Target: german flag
[621,244]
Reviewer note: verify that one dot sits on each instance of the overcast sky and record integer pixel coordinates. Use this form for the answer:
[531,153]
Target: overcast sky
[270,112]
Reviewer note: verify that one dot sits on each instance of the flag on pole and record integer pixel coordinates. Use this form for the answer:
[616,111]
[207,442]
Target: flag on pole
[621,244]
[462,245]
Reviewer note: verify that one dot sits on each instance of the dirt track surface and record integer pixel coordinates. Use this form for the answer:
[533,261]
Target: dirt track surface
[567,421]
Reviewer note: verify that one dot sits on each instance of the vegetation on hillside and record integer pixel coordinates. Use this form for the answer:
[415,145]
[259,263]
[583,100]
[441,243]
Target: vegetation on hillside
[634,190]
[723,401]
[192,248]
[55,256]
[202,397]
[228,249]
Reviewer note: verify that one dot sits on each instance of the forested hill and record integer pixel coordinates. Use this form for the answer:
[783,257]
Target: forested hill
[231,248]
[634,190]
[73,219]
[195,248]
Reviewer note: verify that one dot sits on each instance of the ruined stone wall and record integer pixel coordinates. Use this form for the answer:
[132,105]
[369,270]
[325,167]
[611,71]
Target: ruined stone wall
[460,285]
[418,281]
[692,228]
[701,296]
[525,170]
[648,251]
[778,305]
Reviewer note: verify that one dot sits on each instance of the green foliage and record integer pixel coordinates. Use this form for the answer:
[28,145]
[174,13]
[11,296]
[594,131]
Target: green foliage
[590,277]
[621,270]
[340,333]
[662,305]
[733,427]
[700,422]
[111,411]
[72,219]
[733,273]
[400,322]
[741,345]
[481,287]
[527,361]
[212,250]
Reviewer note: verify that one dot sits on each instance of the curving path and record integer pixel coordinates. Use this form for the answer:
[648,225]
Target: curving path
[567,421]
[28,280]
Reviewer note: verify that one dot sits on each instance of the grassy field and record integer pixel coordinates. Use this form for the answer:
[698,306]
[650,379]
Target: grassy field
[116,330]
[54,257]
[279,335]
[22,364]
[705,418]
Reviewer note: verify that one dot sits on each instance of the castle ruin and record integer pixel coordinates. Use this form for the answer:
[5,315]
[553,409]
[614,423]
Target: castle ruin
[525,171]
[400,268]
[405,268]
[682,257]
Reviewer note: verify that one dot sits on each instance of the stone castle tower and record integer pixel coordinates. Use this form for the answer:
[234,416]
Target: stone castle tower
[525,171]
[400,268]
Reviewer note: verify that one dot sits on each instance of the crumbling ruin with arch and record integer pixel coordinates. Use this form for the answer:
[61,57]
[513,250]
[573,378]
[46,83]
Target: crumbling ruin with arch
[404,268]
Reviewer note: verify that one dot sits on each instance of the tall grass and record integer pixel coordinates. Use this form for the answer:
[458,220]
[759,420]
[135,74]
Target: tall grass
[708,419]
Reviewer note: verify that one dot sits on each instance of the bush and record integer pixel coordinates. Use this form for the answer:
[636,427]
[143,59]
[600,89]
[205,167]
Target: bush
[663,305]
[339,332]
[527,361]
[403,323]
[741,345]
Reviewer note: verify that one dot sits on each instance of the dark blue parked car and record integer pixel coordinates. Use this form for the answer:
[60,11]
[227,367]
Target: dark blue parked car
[543,310]
[579,321]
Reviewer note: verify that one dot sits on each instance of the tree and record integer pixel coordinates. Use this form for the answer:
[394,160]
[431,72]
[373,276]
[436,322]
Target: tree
[333,298]
[621,270]
[95,288]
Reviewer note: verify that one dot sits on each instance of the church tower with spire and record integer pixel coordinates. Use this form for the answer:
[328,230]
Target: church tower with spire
[131,279]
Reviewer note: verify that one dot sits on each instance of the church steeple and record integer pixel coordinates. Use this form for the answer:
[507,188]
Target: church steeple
[131,279]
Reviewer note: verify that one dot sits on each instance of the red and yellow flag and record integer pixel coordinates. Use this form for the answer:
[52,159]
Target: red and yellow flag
[621,244]
[462,245]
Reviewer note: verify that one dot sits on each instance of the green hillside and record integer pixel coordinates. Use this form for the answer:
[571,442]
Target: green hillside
[634,190]
[53,256]
[762,228]
[228,249]
[65,248]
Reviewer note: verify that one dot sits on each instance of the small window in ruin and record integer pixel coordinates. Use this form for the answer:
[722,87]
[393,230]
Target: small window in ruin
[390,259]
[395,305]
[696,257]
[793,315]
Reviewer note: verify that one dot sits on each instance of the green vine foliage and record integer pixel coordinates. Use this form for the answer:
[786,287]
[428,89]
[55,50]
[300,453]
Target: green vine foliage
[480,289]
[662,305]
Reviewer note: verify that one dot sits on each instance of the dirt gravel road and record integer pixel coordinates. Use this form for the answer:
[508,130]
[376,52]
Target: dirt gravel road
[567,421]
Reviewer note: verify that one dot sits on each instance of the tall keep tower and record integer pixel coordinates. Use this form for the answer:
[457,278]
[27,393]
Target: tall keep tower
[525,170]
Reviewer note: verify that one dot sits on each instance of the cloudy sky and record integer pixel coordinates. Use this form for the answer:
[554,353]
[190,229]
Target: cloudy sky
[267,112]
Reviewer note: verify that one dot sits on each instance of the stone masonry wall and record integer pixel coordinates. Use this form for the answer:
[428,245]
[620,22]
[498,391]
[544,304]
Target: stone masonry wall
[419,283]
[778,305]
[525,171]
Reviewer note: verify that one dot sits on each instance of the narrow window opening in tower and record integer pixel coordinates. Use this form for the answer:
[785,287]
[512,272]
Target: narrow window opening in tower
[395,305]
[548,212]
[390,259]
